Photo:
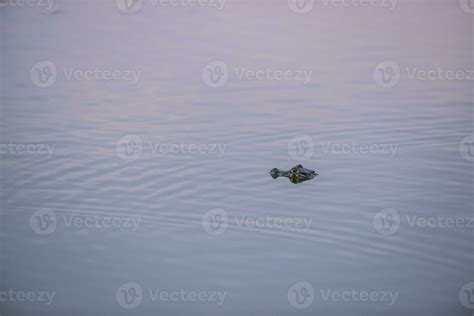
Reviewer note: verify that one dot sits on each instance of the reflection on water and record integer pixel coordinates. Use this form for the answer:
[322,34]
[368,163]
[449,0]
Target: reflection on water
[136,148]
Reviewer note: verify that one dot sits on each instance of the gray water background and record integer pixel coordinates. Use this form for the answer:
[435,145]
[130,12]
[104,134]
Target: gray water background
[256,121]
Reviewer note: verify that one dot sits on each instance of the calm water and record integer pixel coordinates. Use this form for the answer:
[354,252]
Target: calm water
[162,180]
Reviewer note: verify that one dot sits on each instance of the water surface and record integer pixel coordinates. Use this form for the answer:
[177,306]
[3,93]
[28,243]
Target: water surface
[240,131]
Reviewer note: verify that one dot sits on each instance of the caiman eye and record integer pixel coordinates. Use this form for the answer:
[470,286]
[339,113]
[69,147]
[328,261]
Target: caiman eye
[294,170]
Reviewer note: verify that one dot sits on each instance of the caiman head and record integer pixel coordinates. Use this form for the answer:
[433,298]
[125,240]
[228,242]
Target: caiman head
[297,174]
